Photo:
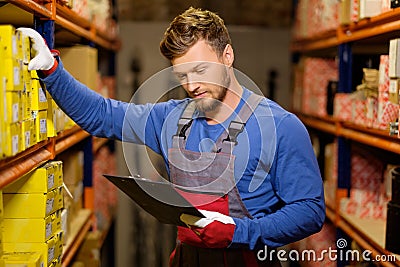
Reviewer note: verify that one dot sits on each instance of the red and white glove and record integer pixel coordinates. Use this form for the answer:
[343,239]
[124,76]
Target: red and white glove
[215,230]
[43,59]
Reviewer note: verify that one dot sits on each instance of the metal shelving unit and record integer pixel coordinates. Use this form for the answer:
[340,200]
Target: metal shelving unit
[368,234]
[45,17]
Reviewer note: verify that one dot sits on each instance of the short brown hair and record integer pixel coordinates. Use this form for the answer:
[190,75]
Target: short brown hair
[191,26]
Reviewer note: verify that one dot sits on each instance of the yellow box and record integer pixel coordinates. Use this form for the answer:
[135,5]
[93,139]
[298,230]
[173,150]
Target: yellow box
[10,42]
[40,180]
[35,205]
[26,102]
[40,119]
[12,143]
[52,118]
[81,62]
[11,73]
[13,110]
[26,49]
[58,169]
[32,229]
[51,249]
[24,259]
[28,134]
[1,212]
[39,99]
[34,75]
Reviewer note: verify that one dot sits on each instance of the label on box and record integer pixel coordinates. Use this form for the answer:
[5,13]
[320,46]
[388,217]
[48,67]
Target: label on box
[50,254]
[49,205]
[393,86]
[14,141]
[42,95]
[50,180]
[14,45]
[16,76]
[15,112]
[49,230]
[28,138]
[43,126]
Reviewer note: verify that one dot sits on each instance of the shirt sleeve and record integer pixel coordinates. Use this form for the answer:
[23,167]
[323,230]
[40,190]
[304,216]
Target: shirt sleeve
[95,114]
[297,182]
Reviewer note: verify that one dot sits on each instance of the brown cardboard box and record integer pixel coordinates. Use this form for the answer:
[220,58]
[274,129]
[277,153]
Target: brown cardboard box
[81,62]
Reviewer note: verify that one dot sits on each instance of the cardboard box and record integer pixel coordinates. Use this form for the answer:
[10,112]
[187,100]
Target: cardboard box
[40,180]
[26,104]
[52,129]
[11,73]
[89,252]
[370,8]
[394,91]
[72,166]
[40,119]
[28,133]
[13,110]
[35,205]
[25,259]
[10,42]
[394,58]
[32,229]
[51,250]
[81,62]
[12,143]
[39,99]
[26,48]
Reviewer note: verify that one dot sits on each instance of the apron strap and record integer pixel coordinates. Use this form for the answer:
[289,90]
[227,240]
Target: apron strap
[236,126]
[184,123]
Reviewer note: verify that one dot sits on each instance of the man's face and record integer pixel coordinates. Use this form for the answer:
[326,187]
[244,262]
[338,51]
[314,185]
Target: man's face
[203,76]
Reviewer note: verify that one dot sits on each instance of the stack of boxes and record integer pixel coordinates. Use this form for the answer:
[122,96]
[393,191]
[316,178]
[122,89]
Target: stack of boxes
[73,180]
[32,228]
[28,114]
[12,86]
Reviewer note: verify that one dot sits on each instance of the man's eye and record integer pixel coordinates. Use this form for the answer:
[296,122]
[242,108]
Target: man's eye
[201,71]
[181,76]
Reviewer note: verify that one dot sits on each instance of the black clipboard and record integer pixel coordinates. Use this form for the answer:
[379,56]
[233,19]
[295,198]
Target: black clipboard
[160,199]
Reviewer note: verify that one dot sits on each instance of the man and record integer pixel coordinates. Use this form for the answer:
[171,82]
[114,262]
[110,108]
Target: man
[257,181]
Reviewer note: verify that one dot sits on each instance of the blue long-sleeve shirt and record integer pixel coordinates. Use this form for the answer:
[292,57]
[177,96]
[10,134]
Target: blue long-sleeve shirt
[275,167]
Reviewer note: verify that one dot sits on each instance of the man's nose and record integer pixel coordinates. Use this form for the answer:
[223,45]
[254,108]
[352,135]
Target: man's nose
[191,82]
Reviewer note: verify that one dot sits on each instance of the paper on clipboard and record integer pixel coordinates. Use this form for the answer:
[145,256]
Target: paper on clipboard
[160,199]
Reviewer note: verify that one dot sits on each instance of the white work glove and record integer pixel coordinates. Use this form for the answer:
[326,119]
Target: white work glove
[43,59]
[210,216]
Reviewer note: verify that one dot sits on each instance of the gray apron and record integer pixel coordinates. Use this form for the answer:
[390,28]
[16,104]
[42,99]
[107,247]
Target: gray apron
[208,183]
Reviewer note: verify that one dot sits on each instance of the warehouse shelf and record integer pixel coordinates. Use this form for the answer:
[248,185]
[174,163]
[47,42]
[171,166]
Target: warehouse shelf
[369,234]
[368,136]
[323,40]
[70,21]
[80,226]
[375,29]
[69,138]
[13,168]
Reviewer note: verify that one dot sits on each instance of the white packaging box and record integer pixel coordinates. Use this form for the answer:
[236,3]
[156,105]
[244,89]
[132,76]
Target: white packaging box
[394,58]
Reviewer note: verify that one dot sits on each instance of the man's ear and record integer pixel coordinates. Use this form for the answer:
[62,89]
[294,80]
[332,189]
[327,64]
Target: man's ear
[228,56]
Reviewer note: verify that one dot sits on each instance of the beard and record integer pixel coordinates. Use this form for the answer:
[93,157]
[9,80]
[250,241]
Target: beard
[210,104]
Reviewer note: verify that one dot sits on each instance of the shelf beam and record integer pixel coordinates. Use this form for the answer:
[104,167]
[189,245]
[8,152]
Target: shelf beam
[372,137]
[63,143]
[61,16]
[22,164]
